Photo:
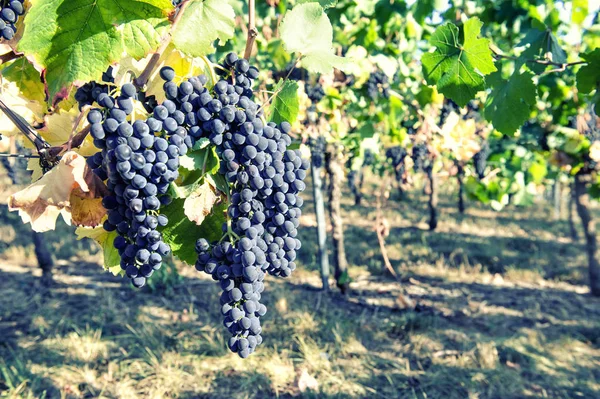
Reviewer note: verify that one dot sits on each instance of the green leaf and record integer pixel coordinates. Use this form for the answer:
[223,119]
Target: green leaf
[204,160]
[285,104]
[202,23]
[543,45]
[306,30]
[324,3]
[76,40]
[26,77]
[458,68]
[588,76]
[112,259]
[181,233]
[511,101]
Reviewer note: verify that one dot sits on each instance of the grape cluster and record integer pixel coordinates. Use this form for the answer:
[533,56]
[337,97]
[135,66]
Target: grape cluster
[89,92]
[139,162]
[317,150]
[448,107]
[480,159]
[368,158]
[378,84]
[314,92]
[354,180]
[9,15]
[265,179]
[419,156]
[396,156]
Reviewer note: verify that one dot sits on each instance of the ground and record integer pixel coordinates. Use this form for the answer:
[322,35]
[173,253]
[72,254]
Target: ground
[503,312]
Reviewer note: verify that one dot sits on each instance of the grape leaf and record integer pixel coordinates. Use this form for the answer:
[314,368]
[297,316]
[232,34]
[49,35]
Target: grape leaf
[509,104]
[200,202]
[86,208]
[203,160]
[29,110]
[26,78]
[112,260]
[58,127]
[181,233]
[42,202]
[543,45]
[588,77]
[306,30]
[324,3]
[76,40]
[202,23]
[456,68]
[285,104]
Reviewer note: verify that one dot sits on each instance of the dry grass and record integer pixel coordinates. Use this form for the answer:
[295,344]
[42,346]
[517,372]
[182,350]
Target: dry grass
[503,313]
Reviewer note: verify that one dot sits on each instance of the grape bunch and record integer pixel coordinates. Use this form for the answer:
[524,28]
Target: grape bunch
[480,159]
[354,183]
[139,159]
[447,108]
[89,92]
[265,179]
[9,15]
[377,85]
[314,92]
[419,156]
[368,158]
[396,156]
[317,150]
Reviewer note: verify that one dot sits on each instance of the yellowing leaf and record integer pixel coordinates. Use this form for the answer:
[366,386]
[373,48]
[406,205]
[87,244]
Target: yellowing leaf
[30,111]
[200,203]
[182,64]
[86,210]
[105,240]
[42,202]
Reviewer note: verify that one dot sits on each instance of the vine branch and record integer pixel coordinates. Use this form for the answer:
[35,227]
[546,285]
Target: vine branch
[145,75]
[4,58]
[561,66]
[252,31]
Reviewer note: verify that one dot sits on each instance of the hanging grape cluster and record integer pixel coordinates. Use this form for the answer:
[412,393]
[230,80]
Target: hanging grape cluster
[9,15]
[378,85]
[420,157]
[265,179]
[317,150]
[396,157]
[140,159]
[368,158]
[314,92]
[480,159]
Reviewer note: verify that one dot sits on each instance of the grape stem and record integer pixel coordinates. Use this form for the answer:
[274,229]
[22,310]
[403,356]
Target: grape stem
[252,31]
[211,67]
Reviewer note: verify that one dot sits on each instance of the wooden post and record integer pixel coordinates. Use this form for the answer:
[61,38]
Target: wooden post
[321,225]
[582,198]
[335,170]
